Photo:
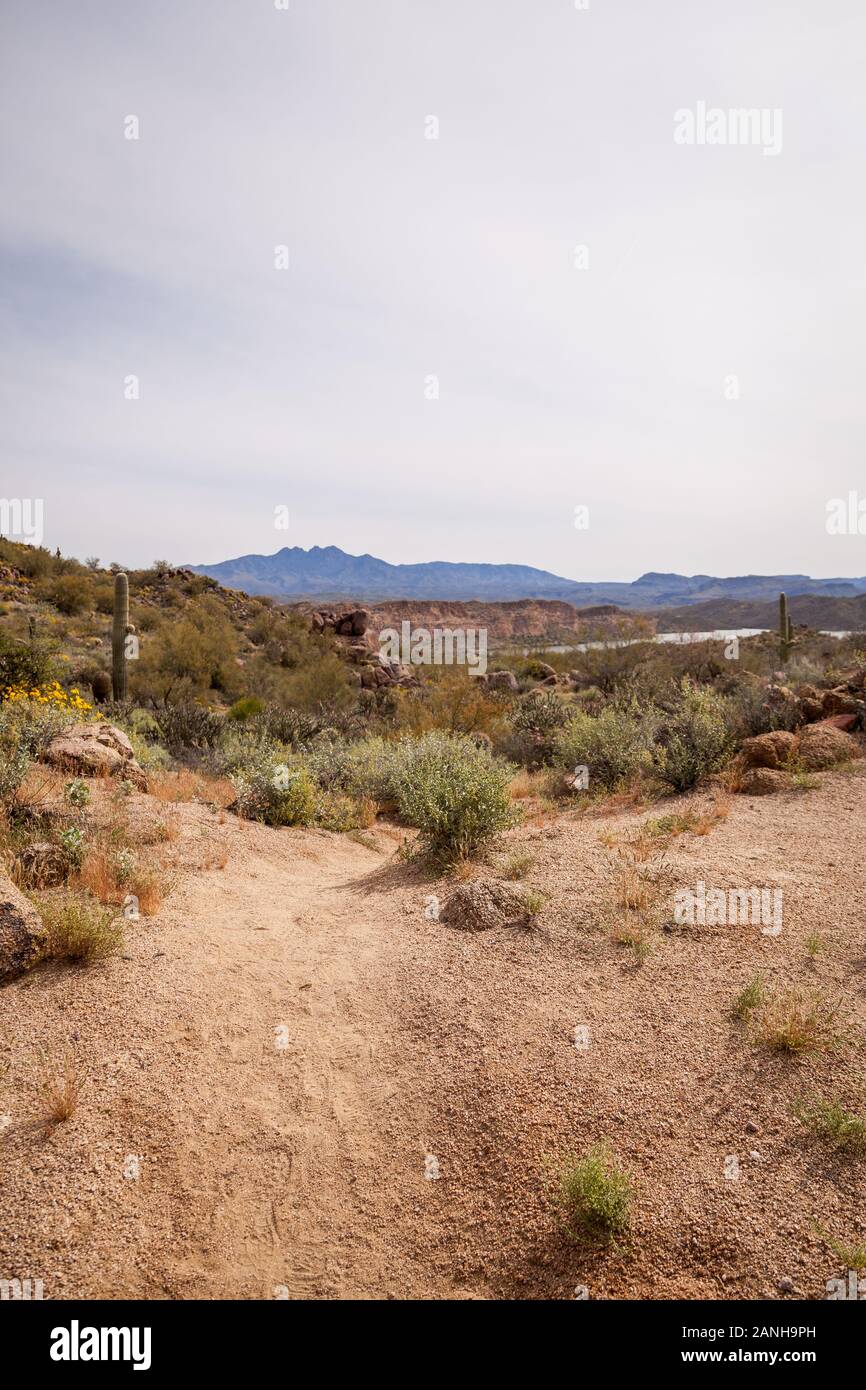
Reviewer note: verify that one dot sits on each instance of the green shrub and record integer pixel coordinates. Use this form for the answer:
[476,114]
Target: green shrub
[366,769]
[70,593]
[77,793]
[614,745]
[24,664]
[71,841]
[697,737]
[245,708]
[594,1195]
[14,763]
[274,792]
[454,792]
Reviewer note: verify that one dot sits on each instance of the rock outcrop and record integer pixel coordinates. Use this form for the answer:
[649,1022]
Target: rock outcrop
[22,935]
[96,750]
[370,667]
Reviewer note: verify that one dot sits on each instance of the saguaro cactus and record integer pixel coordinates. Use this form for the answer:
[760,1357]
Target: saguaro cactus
[786,631]
[118,636]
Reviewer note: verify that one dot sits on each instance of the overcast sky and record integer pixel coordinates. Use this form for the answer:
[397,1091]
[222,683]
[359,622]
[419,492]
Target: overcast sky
[411,258]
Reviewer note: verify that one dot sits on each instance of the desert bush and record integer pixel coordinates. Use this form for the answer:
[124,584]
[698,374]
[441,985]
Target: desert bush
[274,792]
[14,765]
[245,708]
[594,1195]
[338,812]
[454,792]
[536,719]
[293,727]
[24,665]
[187,657]
[750,712]
[367,770]
[188,725]
[30,718]
[696,738]
[61,1082]
[79,928]
[70,593]
[614,745]
[319,681]
[450,699]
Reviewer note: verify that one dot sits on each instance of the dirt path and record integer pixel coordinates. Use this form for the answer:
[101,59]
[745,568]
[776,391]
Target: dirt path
[285,1043]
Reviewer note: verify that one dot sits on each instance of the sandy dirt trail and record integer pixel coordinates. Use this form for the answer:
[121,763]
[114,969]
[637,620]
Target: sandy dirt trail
[282,1045]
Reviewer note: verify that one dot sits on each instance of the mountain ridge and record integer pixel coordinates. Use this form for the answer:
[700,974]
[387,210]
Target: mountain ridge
[329,573]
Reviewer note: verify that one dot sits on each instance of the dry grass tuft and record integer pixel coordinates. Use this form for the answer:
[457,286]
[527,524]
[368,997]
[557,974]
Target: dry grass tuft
[60,1083]
[104,874]
[792,1021]
[517,865]
[187,785]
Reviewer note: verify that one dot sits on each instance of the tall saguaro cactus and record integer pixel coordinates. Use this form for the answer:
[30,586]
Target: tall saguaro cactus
[786,631]
[118,636]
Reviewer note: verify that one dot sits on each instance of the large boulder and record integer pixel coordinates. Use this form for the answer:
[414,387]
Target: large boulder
[822,745]
[22,935]
[773,750]
[484,903]
[96,750]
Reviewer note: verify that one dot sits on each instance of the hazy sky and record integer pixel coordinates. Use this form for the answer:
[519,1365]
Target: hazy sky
[411,258]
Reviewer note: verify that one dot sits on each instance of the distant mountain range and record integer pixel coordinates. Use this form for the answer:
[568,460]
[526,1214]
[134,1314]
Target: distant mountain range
[326,573]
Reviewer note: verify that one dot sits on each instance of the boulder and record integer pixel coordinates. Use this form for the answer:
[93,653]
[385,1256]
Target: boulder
[846,722]
[485,903]
[762,781]
[94,750]
[360,621]
[502,680]
[41,865]
[540,671]
[839,701]
[22,935]
[822,745]
[773,750]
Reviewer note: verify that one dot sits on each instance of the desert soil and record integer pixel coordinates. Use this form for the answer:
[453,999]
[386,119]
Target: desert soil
[291,1044]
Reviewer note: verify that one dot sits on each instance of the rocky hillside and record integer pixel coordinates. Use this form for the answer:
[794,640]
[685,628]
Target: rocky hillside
[811,610]
[531,620]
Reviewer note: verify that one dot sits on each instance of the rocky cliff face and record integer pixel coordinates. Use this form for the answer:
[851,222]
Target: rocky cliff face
[524,619]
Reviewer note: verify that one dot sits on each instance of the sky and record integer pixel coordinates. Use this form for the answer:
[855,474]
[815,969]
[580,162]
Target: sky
[512,290]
